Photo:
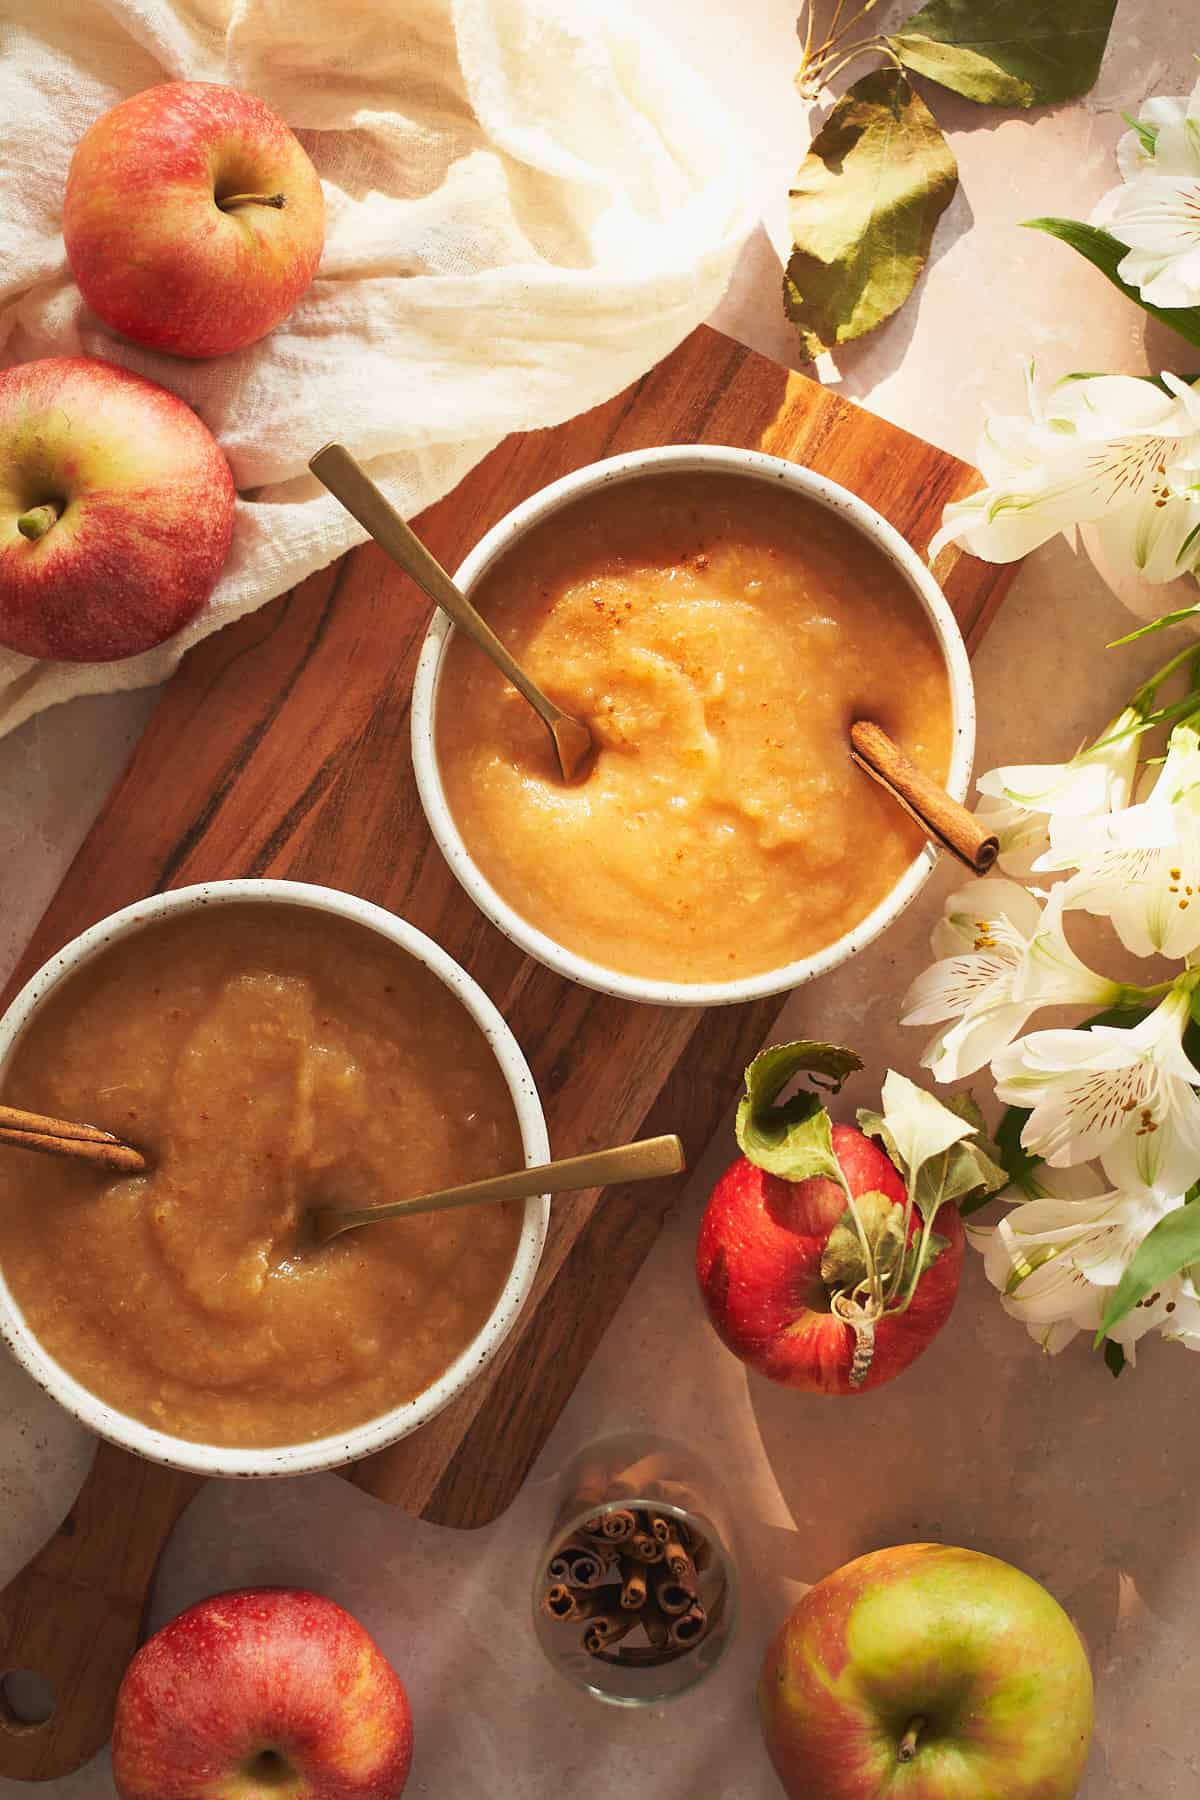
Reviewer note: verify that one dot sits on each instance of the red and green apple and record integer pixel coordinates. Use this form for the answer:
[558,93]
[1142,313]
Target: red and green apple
[116,511]
[261,1694]
[927,1673]
[194,219]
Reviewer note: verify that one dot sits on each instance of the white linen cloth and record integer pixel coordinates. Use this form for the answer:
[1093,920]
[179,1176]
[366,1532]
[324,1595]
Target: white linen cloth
[529,202]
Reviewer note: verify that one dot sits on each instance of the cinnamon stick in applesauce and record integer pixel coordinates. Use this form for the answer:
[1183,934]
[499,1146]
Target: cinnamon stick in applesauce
[944,820]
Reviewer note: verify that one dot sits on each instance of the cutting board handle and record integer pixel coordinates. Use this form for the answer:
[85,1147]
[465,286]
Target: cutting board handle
[74,1613]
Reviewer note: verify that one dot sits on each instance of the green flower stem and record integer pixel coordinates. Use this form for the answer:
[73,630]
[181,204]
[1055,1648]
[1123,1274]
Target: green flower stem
[1152,683]
[1182,712]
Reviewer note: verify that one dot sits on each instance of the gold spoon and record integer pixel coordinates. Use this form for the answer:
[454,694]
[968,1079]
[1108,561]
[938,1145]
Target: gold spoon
[348,482]
[646,1160]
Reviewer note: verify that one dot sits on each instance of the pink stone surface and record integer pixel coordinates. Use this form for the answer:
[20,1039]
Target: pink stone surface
[1087,1483]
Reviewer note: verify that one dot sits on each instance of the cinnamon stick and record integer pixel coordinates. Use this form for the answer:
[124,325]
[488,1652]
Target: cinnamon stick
[634,1589]
[677,1559]
[674,1597]
[618,1524]
[942,819]
[645,1548]
[655,1624]
[607,1628]
[658,1527]
[691,1626]
[579,1563]
[569,1604]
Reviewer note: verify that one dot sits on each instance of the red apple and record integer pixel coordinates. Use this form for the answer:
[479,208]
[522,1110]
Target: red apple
[927,1673]
[758,1262]
[116,511]
[194,220]
[260,1693]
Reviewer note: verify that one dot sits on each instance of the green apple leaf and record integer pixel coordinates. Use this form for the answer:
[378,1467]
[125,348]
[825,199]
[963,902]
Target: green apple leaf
[1105,252]
[864,205]
[1172,1246]
[1114,1356]
[843,1264]
[920,1126]
[1008,52]
[927,1140]
[793,1139]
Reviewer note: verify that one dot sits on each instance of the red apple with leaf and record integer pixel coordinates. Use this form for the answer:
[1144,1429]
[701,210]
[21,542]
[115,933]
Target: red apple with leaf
[818,1260]
[259,1693]
[116,511]
[194,220]
[927,1673]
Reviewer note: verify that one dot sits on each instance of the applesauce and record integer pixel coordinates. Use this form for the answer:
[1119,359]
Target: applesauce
[719,634]
[266,1059]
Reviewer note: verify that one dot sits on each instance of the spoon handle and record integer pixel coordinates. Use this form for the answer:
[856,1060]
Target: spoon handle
[644,1161]
[349,482]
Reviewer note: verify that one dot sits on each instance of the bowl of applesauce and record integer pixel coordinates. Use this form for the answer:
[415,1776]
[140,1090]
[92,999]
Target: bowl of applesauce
[269,1046]
[719,617]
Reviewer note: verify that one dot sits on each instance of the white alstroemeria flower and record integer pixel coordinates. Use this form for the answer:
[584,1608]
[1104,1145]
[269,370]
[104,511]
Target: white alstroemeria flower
[1156,210]
[1023,798]
[1141,867]
[1108,450]
[1088,1089]
[1056,1261]
[1001,957]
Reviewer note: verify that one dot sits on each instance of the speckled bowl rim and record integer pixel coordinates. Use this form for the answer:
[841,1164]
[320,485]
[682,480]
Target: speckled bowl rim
[706,459]
[375,1434]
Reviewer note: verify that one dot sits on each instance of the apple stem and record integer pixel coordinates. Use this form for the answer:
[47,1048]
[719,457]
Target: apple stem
[37,521]
[251,200]
[908,1743]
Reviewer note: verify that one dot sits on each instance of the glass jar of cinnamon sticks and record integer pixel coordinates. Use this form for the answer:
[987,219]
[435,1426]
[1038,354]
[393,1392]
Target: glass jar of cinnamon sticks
[635,1594]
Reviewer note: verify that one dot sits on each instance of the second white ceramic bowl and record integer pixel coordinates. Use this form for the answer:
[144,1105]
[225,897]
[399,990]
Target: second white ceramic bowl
[699,460]
[375,1434]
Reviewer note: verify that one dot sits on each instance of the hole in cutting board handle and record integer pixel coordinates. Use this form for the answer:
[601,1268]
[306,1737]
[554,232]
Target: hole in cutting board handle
[27,1701]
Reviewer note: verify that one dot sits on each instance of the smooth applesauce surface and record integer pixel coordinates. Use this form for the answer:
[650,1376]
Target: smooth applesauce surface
[266,1059]
[719,635]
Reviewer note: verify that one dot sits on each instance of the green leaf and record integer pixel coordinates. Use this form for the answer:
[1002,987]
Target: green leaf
[843,1265]
[1008,52]
[1104,252]
[864,205]
[928,1141]
[964,1173]
[1017,1162]
[1114,1356]
[934,1246]
[794,1139]
[1171,1246]
[1147,134]
[1163,621]
[842,1262]
[920,1126]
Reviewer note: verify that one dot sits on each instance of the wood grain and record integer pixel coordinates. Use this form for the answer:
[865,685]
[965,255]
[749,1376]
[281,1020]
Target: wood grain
[281,747]
[74,1614]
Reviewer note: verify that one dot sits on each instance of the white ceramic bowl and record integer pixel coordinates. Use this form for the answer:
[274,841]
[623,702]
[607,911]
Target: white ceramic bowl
[341,1447]
[700,460]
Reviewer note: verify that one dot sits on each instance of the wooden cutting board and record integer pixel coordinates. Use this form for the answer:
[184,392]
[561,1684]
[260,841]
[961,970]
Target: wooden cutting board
[281,748]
